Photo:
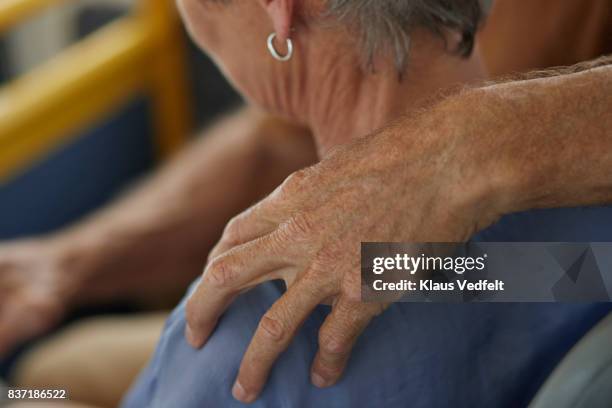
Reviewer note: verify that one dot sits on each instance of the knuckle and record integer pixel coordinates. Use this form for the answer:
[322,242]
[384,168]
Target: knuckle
[298,228]
[298,177]
[300,224]
[295,181]
[332,343]
[276,241]
[231,234]
[332,370]
[220,274]
[272,328]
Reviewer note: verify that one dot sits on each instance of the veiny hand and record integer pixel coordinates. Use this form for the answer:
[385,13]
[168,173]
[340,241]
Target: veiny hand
[32,291]
[412,185]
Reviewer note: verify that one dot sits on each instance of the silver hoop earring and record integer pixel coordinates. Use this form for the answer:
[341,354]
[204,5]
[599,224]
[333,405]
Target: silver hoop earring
[274,52]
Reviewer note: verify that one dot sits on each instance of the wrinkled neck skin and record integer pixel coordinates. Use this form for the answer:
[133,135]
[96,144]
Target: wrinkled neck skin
[339,100]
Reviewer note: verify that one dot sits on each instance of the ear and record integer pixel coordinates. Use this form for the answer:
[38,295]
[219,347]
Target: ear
[281,14]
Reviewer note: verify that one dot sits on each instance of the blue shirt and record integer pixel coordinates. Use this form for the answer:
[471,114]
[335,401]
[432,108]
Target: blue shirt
[416,355]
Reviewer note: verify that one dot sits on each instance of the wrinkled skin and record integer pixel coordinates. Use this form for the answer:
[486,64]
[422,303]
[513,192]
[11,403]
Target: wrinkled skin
[308,233]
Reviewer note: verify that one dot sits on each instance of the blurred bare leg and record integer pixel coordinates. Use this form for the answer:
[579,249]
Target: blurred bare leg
[95,360]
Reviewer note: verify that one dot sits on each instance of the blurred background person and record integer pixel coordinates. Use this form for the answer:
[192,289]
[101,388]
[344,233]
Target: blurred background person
[140,254]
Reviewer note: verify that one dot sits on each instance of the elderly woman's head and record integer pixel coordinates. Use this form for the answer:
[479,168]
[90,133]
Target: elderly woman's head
[337,45]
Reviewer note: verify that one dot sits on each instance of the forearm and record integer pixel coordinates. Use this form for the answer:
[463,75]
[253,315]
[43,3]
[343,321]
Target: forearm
[544,140]
[156,238]
[553,140]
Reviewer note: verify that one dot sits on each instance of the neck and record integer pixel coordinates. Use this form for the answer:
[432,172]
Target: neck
[352,104]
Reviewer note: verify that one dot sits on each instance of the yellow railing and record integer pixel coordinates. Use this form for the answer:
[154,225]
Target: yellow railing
[139,54]
[12,12]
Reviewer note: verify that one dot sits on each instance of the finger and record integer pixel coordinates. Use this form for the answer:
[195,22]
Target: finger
[225,277]
[274,333]
[337,336]
[255,222]
[266,215]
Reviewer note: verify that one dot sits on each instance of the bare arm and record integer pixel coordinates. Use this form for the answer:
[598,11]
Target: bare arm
[154,241]
[547,137]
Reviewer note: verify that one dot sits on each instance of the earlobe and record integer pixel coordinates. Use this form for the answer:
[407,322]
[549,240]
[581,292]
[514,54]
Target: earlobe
[281,15]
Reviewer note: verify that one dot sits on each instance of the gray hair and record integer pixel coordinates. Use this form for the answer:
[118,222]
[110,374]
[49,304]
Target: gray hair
[385,25]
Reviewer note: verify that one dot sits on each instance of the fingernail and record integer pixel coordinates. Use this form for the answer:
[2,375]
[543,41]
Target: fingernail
[240,394]
[191,337]
[318,381]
